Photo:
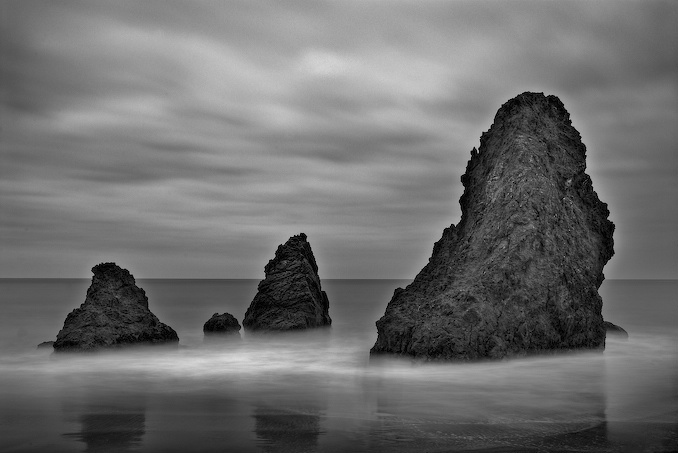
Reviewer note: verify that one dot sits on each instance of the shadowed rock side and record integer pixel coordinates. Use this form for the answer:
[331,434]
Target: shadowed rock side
[520,272]
[290,296]
[115,313]
[222,325]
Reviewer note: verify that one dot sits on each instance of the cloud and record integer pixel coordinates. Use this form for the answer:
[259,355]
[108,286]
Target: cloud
[191,138]
[323,64]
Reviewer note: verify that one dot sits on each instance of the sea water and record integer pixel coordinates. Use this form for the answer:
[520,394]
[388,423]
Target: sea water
[318,390]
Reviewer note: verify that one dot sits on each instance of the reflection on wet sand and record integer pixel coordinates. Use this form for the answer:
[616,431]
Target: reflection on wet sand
[537,405]
[396,434]
[111,432]
[287,430]
[111,427]
[640,417]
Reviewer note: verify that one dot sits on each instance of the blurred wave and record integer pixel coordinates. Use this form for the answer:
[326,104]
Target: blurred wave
[318,390]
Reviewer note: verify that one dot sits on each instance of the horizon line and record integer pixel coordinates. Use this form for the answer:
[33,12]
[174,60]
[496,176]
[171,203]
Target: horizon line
[322,279]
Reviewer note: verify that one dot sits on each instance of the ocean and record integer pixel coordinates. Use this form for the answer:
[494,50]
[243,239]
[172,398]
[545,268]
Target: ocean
[318,391]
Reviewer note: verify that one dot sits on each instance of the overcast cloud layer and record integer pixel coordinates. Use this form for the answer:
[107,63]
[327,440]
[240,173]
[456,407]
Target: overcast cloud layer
[189,139]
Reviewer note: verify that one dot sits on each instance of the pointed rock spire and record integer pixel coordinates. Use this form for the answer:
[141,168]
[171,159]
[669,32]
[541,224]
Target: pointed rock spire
[290,297]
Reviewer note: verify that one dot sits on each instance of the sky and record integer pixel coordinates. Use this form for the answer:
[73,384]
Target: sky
[190,139]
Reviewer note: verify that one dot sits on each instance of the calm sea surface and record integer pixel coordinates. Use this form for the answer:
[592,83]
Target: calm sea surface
[317,391]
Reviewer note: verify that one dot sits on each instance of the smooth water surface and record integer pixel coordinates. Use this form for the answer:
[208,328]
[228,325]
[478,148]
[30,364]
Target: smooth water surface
[318,391]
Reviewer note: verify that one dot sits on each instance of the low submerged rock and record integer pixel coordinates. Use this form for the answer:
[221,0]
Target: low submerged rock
[520,272]
[615,330]
[290,296]
[46,344]
[115,313]
[222,325]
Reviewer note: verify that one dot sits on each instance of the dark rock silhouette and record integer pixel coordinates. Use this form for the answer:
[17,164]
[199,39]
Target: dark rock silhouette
[520,272]
[290,296]
[615,330]
[115,313]
[222,325]
[46,344]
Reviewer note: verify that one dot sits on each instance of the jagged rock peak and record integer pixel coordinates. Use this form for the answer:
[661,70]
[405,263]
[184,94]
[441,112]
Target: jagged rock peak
[115,313]
[529,111]
[110,271]
[111,277]
[520,272]
[535,104]
[296,248]
[290,296]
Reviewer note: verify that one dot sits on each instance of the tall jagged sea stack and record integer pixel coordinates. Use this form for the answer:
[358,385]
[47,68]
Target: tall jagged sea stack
[290,296]
[520,272]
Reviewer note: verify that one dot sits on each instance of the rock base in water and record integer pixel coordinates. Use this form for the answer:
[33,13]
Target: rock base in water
[615,330]
[46,344]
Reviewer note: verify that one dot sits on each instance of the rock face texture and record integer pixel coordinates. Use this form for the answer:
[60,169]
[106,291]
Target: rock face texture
[290,296]
[115,313]
[520,272]
[222,324]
